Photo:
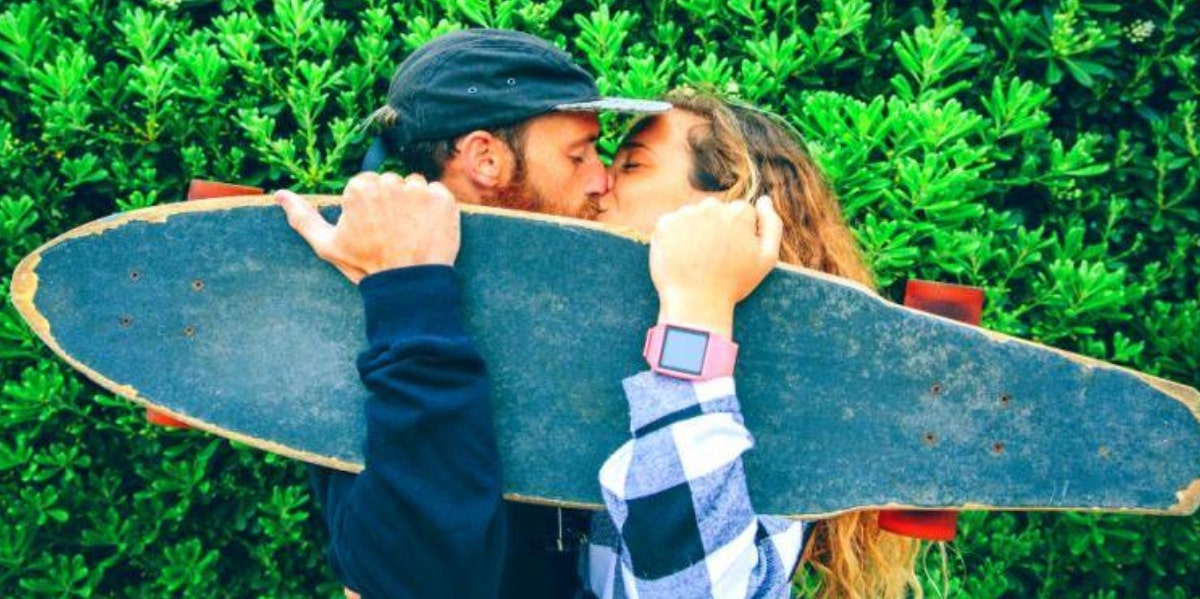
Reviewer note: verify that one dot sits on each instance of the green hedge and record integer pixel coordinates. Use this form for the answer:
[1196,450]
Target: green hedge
[1046,151]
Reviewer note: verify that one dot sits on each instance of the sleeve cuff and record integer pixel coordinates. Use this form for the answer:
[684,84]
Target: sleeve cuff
[413,301]
[654,398]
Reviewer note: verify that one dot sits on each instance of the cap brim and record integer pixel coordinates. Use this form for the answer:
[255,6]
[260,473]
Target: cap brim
[624,105]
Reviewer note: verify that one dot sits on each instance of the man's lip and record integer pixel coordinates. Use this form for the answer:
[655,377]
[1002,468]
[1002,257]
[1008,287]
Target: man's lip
[592,210]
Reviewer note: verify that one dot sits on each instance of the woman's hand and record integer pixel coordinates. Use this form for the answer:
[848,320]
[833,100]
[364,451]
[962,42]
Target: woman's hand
[707,257]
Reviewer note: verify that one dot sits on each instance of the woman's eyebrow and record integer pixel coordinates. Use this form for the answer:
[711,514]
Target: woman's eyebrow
[632,144]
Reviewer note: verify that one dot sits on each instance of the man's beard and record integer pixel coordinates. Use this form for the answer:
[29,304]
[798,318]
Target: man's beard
[520,194]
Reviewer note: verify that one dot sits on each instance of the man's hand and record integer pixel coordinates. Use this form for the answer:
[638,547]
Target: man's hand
[707,257]
[386,222]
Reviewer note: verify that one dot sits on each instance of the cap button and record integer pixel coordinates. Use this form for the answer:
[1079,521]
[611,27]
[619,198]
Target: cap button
[471,90]
[512,81]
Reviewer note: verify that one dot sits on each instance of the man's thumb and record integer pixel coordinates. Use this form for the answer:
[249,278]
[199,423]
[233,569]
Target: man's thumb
[305,219]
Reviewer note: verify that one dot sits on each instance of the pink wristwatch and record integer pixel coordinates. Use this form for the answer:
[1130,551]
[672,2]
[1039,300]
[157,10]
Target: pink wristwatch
[687,353]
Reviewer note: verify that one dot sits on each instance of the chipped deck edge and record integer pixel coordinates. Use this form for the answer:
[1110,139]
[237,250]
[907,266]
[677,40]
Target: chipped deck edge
[1189,499]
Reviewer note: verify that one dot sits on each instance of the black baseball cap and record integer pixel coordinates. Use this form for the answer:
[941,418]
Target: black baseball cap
[487,78]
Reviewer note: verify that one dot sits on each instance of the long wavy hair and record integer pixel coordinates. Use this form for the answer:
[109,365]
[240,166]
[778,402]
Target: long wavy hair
[743,153]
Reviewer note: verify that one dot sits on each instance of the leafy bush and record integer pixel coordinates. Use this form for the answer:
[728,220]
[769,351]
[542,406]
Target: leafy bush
[1046,151]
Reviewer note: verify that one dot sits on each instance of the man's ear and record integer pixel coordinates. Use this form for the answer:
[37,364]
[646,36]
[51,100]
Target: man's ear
[485,160]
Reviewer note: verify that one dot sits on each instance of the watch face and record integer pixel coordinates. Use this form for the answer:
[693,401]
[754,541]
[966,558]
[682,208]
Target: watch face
[683,350]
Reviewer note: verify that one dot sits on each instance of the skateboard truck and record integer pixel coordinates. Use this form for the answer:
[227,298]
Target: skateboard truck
[200,189]
[956,302]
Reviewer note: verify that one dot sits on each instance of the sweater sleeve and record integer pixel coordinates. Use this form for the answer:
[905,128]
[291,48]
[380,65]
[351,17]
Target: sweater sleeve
[679,518]
[425,517]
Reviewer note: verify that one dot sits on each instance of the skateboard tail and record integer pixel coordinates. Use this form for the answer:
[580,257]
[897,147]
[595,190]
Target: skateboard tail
[23,291]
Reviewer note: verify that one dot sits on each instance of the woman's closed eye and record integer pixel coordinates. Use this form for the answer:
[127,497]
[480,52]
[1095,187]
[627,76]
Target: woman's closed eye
[625,160]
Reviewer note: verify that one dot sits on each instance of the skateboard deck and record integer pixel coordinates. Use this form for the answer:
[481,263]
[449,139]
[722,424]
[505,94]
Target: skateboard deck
[218,314]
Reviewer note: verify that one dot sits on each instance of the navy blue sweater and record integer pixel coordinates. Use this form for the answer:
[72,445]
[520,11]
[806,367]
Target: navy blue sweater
[425,518]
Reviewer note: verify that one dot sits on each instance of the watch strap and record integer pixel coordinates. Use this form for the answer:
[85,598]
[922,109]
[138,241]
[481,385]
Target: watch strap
[719,353]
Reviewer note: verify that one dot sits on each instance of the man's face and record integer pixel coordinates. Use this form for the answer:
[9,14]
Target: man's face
[563,173]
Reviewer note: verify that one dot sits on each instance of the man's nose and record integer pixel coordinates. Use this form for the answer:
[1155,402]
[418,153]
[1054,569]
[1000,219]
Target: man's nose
[598,181]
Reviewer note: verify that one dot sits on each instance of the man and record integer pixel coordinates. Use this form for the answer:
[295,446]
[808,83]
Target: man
[502,119]
[497,118]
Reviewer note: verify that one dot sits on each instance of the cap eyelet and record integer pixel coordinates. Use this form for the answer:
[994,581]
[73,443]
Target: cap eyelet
[512,81]
[471,90]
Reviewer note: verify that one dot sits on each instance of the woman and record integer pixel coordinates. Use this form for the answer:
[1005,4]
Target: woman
[706,147]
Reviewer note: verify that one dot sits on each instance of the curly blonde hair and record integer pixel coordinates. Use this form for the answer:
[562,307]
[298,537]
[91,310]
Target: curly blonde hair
[743,153]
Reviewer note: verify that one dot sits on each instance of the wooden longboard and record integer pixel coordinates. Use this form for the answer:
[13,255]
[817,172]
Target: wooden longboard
[217,314]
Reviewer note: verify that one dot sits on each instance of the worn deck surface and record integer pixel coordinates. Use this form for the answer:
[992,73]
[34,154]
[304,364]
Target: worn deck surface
[217,313]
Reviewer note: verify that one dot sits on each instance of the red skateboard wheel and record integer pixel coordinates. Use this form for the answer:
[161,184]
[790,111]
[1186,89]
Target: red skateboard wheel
[200,189]
[964,304]
[161,419]
[956,302]
[939,525]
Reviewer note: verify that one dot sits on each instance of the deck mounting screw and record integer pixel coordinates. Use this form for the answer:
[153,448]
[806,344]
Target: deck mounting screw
[1006,400]
[997,448]
[135,276]
[930,439]
[198,285]
[936,389]
[189,331]
[126,321]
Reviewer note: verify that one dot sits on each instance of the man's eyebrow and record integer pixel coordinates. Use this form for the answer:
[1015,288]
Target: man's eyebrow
[587,141]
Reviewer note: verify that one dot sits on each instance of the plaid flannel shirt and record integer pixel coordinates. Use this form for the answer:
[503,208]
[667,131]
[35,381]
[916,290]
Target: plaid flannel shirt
[679,522]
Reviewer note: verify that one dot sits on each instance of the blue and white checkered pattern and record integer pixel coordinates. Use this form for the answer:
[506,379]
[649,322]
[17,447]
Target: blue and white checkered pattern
[679,522]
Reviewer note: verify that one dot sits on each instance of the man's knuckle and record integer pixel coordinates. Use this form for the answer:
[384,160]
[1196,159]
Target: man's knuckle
[391,179]
[355,186]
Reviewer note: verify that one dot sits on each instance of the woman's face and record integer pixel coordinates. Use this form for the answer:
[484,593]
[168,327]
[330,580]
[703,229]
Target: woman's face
[649,176]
